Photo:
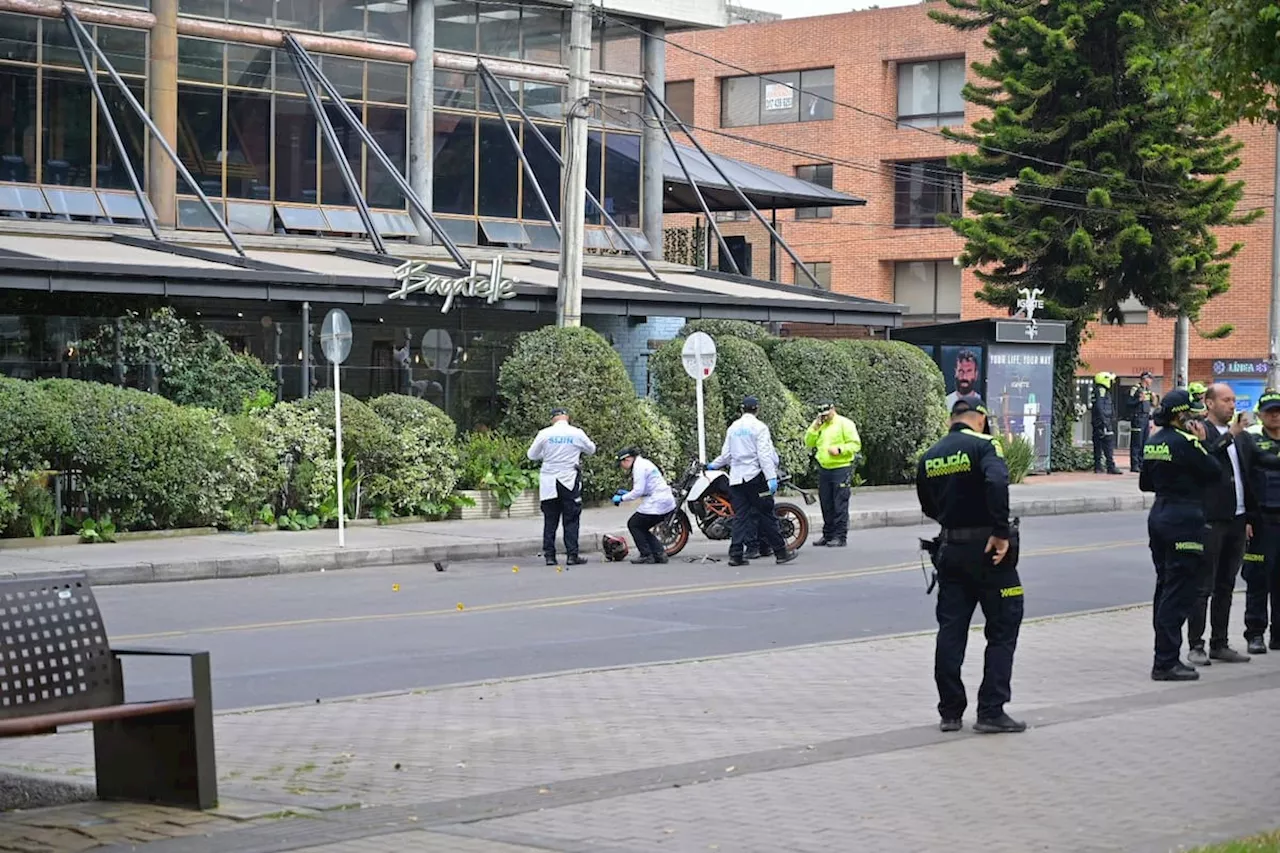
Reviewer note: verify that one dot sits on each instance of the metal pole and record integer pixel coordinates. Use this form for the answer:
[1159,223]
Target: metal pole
[1273,374]
[115,133]
[551,149]
[339,156]
[773,247]
[155,131]
[279,362]
[1181,341]
[358,126]
[306,351]
[741,196]
[422,23]
[651,177]
[524,161]
[337,441]
[702,202]
[569,281]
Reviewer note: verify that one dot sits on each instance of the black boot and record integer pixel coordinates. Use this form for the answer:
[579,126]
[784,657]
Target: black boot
[1178,672]
[642,560]
[786,557]
[575,560]
[551,560]
[1003,724]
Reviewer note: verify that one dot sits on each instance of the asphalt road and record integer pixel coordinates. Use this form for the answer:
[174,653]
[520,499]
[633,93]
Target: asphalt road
[301,638]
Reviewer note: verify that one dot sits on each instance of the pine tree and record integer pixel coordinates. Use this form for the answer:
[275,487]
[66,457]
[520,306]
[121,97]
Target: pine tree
[1095,180]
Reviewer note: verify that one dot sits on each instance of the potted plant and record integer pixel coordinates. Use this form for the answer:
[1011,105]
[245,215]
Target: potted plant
[496,475]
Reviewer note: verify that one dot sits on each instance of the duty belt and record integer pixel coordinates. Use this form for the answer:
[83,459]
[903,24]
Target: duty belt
[960,535]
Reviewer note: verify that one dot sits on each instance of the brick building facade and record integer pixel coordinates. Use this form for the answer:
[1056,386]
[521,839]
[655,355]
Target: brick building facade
[900,68]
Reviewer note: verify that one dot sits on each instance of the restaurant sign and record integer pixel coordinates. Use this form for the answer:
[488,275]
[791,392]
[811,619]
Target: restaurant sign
[493,287]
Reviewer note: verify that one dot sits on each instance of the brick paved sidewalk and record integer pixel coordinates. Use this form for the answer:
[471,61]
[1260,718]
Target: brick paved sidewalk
[826,748]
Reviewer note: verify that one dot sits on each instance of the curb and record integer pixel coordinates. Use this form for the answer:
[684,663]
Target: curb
[300,562]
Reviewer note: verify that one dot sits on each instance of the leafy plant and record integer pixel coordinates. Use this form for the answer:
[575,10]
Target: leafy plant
[438,509]
[480,453]
[422,457]
[94,532]
[37,506]
[296,521]
[1018,456]
[507,482]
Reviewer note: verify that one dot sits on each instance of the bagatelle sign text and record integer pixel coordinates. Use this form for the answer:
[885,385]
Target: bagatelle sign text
[494,287]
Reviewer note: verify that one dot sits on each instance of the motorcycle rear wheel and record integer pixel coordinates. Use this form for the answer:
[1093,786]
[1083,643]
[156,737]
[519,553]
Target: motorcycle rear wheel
[674,532]
[793,524]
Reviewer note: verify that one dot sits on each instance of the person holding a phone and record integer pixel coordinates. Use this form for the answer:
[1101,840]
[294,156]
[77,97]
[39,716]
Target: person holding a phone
[963,484]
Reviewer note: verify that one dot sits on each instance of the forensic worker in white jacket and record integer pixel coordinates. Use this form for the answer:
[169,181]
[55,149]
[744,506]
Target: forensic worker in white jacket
[559,448]
[656,502]
[753,481]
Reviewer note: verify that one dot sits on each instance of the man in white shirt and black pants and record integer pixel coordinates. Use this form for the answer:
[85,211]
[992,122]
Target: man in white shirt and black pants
[559,448]
[753,481]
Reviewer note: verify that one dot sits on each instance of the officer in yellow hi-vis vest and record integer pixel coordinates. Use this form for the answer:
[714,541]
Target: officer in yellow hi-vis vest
[963,484]
[1178,469]
[836,444]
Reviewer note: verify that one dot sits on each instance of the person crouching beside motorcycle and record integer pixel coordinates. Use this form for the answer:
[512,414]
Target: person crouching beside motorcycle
[656,502]
[753,481]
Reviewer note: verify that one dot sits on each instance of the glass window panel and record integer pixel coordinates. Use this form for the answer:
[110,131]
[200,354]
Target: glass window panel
[68,130]
[486,103]
[286,73]
[455,26]
[951,82]
[332,188]
[200,135]
[454,170]
[343,18]
[497,231]
[24,199]
[203,8]
[252,11]
[347,75]
[248,155]
[543,32]
[460,231]
[111,172]
[780,100]
[69,202]
[595,174]
[192,214]
[622,50]
[596,238]
[542,238]
[637,238]
[295,151]
[948,277]
[918,89]
[302,218]
[623,110]
[544,99]
[200,60]
[819,89]
[913,287]
[18,37]
[499,30]
[388,82]
[250,218]
[345,221]
[394,224]
[126,49]
[249,66]
[622,179]
[122,207]
[739,101]
[455,91]
[297,15]
[59,49]
[924,189]
[391,129]
[17,124]
[389,21]
[499,172]
[547,170]
[680,98]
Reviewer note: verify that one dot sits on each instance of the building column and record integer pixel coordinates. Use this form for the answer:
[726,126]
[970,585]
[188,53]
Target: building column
[422,15]
[162,78]
[651,182]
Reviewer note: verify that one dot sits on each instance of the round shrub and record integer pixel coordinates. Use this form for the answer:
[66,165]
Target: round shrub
[423,467]
[657,439]
[718,329]
[34,430]
[365,438]
[905,407]
[301,443]
[745,370]
[818,371]
[676,395]
[255,477]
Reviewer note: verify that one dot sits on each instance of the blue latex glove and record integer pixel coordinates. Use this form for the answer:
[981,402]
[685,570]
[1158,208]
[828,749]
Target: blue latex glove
[621,491]
[713,467]
[773,486]
[617,500]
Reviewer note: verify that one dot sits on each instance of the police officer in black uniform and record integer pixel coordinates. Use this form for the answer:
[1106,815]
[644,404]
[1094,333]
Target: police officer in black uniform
[1178,468]
[1142,400]
[1262,560]
[963,484]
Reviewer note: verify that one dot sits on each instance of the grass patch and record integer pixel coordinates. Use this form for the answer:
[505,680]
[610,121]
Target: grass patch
[1267,842]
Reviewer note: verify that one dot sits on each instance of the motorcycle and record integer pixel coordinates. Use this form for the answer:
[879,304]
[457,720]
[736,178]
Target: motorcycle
[707,495]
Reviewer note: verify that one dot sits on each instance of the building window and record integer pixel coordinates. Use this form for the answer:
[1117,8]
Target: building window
[821,174]
[929,93]
[386,20]
[782,97]
[929,290]
[924,189]
[732,215]
[680,98]
[1134,312]
[821,271]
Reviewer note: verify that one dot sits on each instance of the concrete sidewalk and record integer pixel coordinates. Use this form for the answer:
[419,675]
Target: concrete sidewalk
[230,555]
[818,749]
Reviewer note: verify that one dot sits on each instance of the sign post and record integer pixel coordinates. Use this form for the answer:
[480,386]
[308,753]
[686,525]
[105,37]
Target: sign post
[699,358]
[335,343]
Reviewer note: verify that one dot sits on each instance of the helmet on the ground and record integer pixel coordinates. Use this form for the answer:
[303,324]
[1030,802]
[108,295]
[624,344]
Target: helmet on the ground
[615,548]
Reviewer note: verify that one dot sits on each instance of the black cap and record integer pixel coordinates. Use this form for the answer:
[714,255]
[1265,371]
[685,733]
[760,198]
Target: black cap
[558,411]
[963,406]
[824,405]
[1269,402]
[750,404]
[627,451]
[1179,400]
[1147,374]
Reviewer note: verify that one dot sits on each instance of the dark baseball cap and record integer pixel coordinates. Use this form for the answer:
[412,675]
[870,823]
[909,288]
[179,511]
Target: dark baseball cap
[750,403]
[1147,374]
[965,406]
[558,411]
[824,405]
[1180,400]
[1269,402]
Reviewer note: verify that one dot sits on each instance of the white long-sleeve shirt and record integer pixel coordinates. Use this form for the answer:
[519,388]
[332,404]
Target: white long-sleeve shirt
[748,451]
[650,488]
[559,448]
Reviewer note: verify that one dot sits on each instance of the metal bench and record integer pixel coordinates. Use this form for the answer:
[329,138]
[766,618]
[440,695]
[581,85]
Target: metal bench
[57,669]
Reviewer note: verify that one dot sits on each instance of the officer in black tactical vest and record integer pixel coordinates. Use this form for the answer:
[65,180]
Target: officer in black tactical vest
[963,484]
[1262,560]
[1142,400]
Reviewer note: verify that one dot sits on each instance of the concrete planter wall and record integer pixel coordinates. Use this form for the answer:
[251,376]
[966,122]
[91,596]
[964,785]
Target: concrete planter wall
[526,506]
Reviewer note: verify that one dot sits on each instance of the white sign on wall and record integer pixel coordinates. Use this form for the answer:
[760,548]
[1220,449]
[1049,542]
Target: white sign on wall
[778,96]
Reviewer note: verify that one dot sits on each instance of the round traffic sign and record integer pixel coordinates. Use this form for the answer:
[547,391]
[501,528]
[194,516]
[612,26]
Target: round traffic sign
[699,355]
[335,336]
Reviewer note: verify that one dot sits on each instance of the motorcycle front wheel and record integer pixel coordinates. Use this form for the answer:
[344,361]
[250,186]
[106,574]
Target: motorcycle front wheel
[673,532]
[793,524]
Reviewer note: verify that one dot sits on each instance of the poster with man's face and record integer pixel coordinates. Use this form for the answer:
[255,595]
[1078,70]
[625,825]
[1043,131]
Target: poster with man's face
[962,369]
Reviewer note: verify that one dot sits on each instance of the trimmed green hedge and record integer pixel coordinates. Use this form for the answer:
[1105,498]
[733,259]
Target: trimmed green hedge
[676,396]
[745,370]
[422,459]
[718,329]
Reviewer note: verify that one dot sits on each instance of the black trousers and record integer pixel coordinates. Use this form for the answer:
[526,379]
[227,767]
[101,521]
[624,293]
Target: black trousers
[753,518]
[1103,445]
[641,525]
[1176,533]
[1262,580]
[1137,442]
[1224,546]
[834,488]
[566,506]
[967,580]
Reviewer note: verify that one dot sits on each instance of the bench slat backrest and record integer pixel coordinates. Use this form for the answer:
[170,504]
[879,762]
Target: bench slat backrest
[53,647]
